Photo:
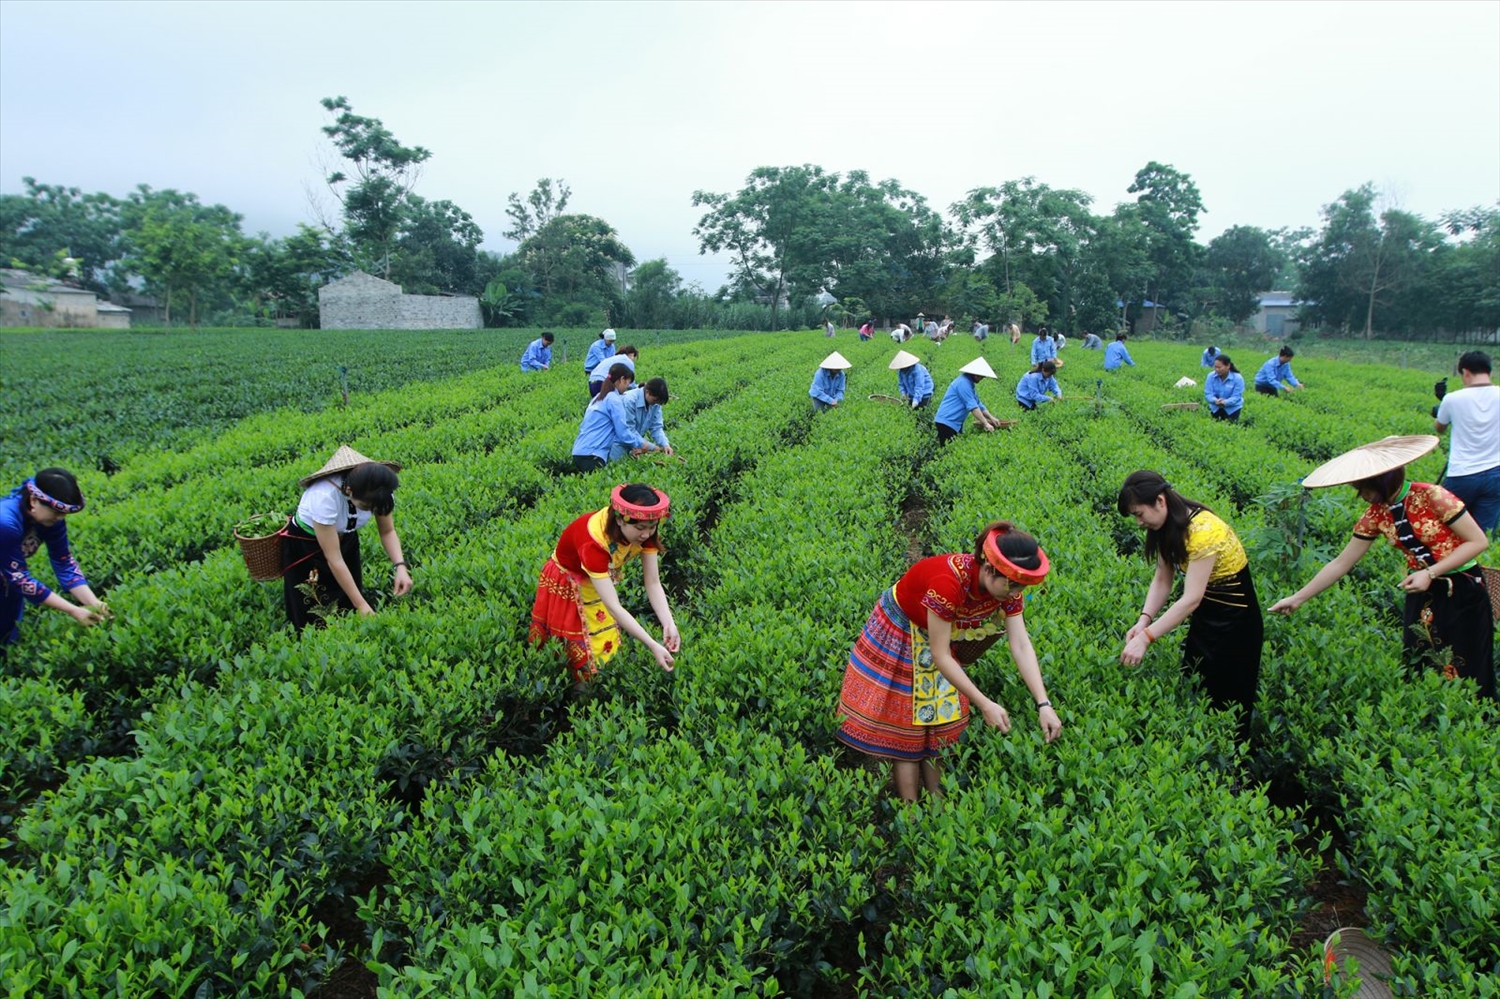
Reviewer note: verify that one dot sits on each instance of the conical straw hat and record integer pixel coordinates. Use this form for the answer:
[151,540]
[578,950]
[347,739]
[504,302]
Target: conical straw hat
[1370,459]
[903,360]
[343,459]
[1374,964]
[979,366]
[836,361]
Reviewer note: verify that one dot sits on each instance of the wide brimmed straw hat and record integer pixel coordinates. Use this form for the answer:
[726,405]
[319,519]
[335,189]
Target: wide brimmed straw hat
[979,366]
[903,360]
[1370,459]
[343,460]
[836,362]
[1374,963]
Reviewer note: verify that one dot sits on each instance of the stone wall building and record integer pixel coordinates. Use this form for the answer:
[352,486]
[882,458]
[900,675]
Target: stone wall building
[364,302]
[28,299]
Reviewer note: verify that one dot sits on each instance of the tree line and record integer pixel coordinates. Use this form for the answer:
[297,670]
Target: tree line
[804,244]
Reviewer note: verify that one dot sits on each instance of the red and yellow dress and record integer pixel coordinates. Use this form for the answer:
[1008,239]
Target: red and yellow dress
[894,704]
[568,607]
[1448,627]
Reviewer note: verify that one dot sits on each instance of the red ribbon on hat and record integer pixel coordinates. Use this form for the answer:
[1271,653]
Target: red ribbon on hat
[657,511]
[1007,568]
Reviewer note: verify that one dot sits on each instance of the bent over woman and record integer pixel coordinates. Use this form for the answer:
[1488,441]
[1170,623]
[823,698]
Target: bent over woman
[1447,622]
[1224,637]
[31,516]
[906,696]
[320,546]
[576,600]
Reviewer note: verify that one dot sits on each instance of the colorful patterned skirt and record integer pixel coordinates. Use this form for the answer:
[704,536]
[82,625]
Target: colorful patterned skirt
[570,610]
[877,704]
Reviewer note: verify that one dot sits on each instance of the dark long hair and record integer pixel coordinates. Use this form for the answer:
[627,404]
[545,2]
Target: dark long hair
[1018,546]
[372,484]
[1226,360]
[616,372]
[1047,367]
[1169,543]
[641,495]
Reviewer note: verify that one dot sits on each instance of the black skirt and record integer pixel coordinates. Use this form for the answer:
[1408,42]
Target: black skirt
[1223,643]
[1451,628]
[301,556]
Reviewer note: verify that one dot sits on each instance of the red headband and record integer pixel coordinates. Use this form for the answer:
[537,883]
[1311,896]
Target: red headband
[36,493]
[657,511]
[997,560]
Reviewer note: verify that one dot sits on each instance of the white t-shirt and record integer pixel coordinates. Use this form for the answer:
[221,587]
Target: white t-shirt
[324,503]
[1473,413]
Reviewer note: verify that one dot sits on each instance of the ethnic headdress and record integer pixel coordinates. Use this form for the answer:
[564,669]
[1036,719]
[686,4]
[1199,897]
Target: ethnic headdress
[1005,567]
[35,492]
[659,510]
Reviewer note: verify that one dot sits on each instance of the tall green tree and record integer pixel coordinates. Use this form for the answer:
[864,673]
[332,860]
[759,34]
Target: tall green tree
[186,252]
[654,288]
[1240,263]
[437,249]
[575,259]
[1168,204]
[50,218]
[1362,263]
[541,206]
[374,196]
[283,275]
[770,228]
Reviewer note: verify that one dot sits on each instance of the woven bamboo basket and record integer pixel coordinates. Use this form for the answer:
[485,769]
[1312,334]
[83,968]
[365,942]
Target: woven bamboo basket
[261,552]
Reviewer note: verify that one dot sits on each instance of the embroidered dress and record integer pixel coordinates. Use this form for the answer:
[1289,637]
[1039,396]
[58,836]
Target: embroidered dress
[894,704]
[1450,626]
[20,538]
[1225,633]
[567,606]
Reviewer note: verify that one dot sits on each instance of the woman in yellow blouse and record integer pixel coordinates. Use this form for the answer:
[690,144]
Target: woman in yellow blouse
[1224,637]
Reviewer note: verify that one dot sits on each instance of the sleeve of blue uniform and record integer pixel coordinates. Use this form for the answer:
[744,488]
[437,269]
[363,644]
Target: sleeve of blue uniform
[622,428]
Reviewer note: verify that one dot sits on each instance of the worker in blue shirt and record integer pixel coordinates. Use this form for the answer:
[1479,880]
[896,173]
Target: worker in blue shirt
[828,382]
[1044,347]
[962,401]
[626,355]
[32,516]
[1224,389]
[1038,385]
[1116,354]
[604,424]
[538,356]
[1269,379]
[913,379]
[642,405]
[598,351]
[1207,360]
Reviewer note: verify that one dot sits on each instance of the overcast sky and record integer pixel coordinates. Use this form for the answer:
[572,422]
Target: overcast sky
[1274,109]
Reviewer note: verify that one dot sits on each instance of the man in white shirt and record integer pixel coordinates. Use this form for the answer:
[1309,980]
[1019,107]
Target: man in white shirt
[1474,450]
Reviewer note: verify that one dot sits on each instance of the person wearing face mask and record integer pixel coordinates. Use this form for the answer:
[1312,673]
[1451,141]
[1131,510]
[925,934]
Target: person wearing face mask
[32,516]
[576,599]
[906,696]
[320,545]
[1447,623]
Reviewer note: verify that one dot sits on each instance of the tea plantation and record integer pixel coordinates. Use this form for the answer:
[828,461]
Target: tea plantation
[198,803]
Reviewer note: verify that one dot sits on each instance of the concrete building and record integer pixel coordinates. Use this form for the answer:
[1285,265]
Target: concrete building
[28,299]
[364,302]
[1277,315]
